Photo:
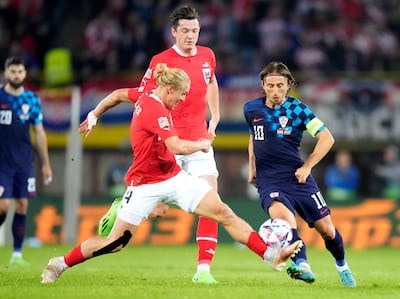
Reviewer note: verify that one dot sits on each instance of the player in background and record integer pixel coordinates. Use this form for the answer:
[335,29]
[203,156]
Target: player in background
[276,122]
[155,177]
[190,121]
[19,110]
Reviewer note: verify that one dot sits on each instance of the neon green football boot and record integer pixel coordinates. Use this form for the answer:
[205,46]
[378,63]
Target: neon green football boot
[204,277]
[106,222]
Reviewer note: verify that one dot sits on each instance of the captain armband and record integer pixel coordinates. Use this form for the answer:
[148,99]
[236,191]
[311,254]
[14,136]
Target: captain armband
[314,126]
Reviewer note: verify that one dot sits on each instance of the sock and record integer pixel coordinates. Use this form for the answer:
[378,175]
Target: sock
[74,256]
[256,244]
[335,247]
[301,256]
[3,218]
[207,238]
[18,229]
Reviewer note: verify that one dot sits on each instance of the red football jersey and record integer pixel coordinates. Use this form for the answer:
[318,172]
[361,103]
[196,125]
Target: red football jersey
[190,115]
[151,125]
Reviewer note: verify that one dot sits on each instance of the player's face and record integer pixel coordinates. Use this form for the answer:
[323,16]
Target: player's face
[186,35]
[276,89]
[15,75]
[175,96]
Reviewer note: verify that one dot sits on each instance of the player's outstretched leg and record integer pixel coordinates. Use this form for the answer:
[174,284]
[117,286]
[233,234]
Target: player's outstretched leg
[107,221]
[54,269]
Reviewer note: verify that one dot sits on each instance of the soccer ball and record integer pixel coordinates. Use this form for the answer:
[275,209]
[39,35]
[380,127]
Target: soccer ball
[276,230]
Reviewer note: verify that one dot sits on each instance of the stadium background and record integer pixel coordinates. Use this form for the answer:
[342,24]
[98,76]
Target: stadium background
[344,54]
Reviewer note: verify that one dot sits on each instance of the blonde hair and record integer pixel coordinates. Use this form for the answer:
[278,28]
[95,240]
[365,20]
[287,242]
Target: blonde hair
[171,76]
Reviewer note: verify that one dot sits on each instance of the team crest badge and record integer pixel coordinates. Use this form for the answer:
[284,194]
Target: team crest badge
[25,110]
[283,120]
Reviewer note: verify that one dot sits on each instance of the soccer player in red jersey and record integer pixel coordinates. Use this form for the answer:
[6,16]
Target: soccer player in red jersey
[190,120]
[155,177]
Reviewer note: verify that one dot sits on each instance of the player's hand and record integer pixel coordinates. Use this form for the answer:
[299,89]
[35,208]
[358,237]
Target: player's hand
[302,174]
[47,174]
[212,127]
[88,124]
[205,144]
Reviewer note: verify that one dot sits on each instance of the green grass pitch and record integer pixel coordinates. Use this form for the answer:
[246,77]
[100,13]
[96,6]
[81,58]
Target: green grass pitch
[164,272]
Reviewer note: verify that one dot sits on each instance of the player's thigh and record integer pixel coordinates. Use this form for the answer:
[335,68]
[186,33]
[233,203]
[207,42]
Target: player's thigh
[7,176]
[139,201]
[24,185]
[189,191]
[310,204]
[199,163]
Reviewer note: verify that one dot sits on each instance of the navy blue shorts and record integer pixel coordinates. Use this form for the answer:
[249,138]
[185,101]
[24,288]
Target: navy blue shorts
[304,199]
[17,183]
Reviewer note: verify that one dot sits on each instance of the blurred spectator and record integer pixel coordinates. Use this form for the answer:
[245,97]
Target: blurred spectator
[321,37]
[388,173]
[101,38]
[342,178]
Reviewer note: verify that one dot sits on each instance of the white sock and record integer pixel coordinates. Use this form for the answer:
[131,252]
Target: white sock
[203,268]
[16,254]
[342,268]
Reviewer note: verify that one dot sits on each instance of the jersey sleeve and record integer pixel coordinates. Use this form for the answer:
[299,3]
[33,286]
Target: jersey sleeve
[313,124]
[148,82]
[247,118]
[36,116]
[134,94]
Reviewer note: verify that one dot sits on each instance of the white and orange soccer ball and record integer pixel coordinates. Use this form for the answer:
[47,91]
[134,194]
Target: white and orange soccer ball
[276,230]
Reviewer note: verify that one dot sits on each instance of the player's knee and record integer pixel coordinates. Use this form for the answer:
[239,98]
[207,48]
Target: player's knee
[116,245]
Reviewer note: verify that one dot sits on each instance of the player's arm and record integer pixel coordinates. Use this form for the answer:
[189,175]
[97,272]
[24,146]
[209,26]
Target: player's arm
[185,147]
[252,162]
[322,147]
[42,149]
[213,106]
[113,99]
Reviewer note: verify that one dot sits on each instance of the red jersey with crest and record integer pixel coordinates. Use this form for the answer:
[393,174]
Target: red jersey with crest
[191,114]
[151,125]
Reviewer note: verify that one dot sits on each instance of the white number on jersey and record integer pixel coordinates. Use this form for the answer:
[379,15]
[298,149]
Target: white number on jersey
[258,132]
[5,117]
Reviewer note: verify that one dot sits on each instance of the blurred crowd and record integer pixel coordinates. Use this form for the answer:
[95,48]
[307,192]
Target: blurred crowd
[120,36]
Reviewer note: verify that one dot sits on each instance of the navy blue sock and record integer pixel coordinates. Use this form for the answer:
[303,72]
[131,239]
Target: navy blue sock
[301,256]
[18,231]
[336,248]
[3,218]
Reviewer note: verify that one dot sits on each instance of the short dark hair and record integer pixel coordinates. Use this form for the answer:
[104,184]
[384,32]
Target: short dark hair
[185,12]
[14,60]
[277,67]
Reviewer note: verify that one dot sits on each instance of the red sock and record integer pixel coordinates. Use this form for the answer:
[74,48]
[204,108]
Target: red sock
[256,244]
[207,238]
[74,256]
